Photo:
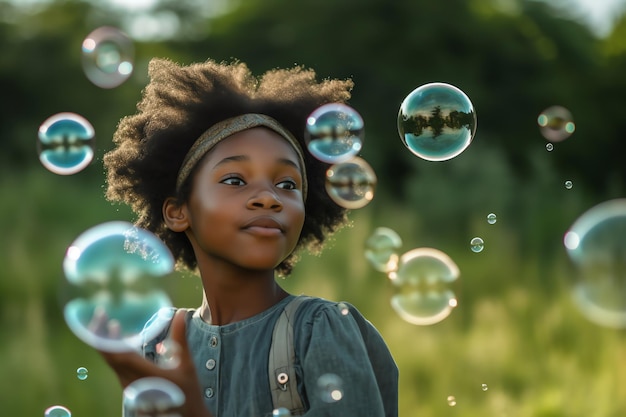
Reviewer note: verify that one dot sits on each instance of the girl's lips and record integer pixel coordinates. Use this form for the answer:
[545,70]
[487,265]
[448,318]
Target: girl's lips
[263,226]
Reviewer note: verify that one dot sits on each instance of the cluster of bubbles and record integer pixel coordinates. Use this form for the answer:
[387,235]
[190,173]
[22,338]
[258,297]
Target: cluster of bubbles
[596,246]
[152,396]
[334,134]
[421,278]
[112,295]
[437,121]
[66,141]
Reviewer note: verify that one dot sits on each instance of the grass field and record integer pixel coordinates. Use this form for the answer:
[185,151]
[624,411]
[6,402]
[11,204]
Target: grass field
[516,346]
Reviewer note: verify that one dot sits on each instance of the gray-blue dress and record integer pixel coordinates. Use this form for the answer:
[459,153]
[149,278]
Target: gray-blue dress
[232,362]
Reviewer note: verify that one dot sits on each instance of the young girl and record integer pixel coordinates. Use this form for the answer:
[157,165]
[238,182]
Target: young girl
[214,162]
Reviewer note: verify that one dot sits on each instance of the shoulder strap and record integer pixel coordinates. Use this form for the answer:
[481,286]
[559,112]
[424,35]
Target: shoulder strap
[282,373]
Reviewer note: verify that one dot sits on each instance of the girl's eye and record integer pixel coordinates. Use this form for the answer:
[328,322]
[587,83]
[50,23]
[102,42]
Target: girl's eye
[233,181]
[287,185]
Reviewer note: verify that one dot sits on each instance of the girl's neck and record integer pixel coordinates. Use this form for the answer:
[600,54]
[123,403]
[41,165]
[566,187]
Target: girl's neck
[231,296]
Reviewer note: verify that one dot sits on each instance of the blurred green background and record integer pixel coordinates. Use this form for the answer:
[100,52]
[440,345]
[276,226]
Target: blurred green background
[515,328]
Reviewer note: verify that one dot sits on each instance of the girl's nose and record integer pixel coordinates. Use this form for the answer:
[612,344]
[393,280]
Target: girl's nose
[265,199]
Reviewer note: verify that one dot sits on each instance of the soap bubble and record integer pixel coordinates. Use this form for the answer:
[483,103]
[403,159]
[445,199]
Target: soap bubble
[556,123]
[113,273]
[108,55]
[477,244]
[66,143]
[569,184]
[82,373]
[330,388]
[484,387]
[422,282]
[334,133]
[451,400]
[492,218]
[437,121]
[57,411]
[595,243]
[351,184]
[549,147]
[381,249]
[281,412]
[150,395]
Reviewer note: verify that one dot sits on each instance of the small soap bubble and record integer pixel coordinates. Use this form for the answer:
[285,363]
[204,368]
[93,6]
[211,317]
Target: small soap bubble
[330,388]
[281,412]
[381,249]
[451,400]
[351,184]
[66,143]
[556,123]
[334,133]
[150,395]
[107,57]
[549,147]
[484,387]
[57,411]
[82,373]
[168,354]
[477,244]
[113,296]
[437,121]
[568,185]
[492,218]
[422,286]
[596,246]
[343,308]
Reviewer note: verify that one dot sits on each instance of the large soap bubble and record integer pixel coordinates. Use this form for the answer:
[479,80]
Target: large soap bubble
[113,298]
[437,121]
[66,143]
[108,55]
[422,281]
[596,244]
[334,133]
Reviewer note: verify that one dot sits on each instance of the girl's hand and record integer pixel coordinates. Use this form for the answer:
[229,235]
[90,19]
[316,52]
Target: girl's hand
[129,366]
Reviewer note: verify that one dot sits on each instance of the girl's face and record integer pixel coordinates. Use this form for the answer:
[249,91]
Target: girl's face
[246,206]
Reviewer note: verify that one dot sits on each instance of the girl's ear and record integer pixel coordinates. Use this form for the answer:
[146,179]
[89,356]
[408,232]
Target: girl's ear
[175,215]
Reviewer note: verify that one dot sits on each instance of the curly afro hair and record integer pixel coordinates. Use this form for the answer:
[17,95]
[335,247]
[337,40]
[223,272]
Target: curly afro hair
[179,104]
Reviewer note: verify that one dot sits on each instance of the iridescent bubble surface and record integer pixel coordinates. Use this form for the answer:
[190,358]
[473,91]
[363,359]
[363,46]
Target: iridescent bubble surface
[351,184]
[437,121]
[477,244]
[66,143]
[556,123]
[108,57]
[422,283]
[334,133]
[57,411]
[113,296]
[330,388]
[381,249]
[152,395]
[82,373]
[596,245]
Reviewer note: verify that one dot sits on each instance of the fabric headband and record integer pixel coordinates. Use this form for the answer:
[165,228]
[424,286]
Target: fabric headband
[228,127]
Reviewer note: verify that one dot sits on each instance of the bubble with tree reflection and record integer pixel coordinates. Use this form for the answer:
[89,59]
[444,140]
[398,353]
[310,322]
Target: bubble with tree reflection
[351,184]
[152,396]
[334,133]
[66,143]
[596,246]
[422,282]
[437,121]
